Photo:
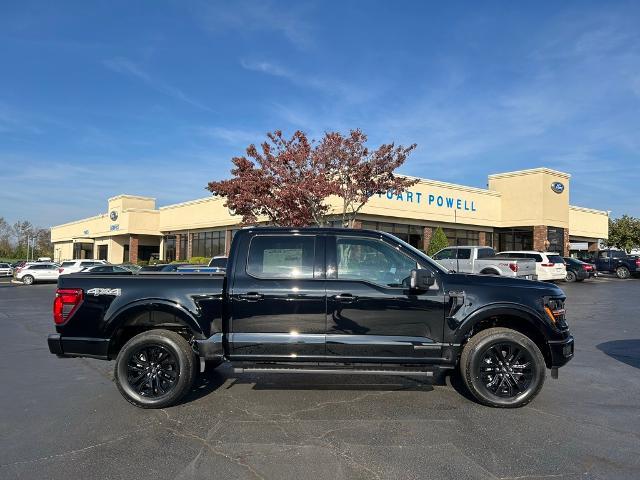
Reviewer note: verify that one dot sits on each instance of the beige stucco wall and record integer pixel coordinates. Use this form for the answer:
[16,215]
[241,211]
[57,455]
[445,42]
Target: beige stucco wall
[527,197]
[588,223]
[201,213]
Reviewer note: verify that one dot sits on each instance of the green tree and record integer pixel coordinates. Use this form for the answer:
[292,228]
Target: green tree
[438,242]
[624,233]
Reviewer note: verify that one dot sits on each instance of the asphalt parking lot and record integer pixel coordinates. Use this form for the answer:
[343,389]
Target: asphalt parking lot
[63,418]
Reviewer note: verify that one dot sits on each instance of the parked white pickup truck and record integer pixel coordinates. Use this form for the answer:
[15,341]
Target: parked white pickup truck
[483,260]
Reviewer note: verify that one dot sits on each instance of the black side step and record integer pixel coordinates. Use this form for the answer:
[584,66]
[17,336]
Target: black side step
[360,370]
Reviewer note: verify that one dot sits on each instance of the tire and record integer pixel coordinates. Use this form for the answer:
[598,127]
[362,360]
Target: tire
[623,272]
[495,343]
[170,378]
[28,280]
[571,277]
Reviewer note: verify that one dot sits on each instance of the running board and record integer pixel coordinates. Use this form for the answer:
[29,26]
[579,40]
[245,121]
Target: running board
[341,371]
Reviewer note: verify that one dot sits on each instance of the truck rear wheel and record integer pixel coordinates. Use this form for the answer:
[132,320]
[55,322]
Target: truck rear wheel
[623,272]
[155,369]
[502,368]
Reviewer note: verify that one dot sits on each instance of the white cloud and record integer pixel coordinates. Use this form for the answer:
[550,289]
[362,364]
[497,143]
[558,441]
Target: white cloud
[127,67]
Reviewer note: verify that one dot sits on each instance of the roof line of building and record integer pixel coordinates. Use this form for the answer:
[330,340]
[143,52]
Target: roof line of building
[589,210]
[455,186]
[530,171]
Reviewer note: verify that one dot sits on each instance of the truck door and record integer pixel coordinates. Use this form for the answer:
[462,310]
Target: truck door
[371,313]
[278,298]
[603,261]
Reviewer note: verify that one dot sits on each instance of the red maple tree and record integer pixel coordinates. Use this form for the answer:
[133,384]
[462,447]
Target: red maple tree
[288,181]
[285,181]
[358,173]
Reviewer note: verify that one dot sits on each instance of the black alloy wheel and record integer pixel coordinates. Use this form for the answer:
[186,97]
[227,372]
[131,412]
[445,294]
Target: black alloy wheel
[502,368]
[152,371]
[571,276]
[155,369]
[506,370]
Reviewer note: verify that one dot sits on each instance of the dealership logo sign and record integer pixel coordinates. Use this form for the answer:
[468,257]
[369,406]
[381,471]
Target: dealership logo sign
[557,187]
[441,201]
[113,215]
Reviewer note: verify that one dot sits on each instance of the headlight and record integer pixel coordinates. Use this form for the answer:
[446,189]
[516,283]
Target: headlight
[555,310]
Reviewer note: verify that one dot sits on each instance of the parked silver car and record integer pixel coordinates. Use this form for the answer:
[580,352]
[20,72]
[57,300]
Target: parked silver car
[38,272]
[5,270]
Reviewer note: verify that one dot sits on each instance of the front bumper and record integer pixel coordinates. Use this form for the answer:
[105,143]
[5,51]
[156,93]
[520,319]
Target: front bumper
[561,351]
[78,347]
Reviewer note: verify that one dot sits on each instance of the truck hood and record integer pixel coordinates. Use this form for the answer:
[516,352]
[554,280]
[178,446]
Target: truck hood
[466,280]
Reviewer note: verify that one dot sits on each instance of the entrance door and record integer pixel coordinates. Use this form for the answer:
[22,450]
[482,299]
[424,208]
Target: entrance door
[278,302]
[103,252]
[372,314]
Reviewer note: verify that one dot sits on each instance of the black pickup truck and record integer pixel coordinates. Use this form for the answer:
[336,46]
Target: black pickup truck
[317,300]
[616,261]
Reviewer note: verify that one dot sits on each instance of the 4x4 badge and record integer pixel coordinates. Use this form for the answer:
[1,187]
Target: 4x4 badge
[116,292]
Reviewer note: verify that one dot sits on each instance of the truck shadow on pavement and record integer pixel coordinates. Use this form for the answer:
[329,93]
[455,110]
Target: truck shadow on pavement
[224,377]
[625,351]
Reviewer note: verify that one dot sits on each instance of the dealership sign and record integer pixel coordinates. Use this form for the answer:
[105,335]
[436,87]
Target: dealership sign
[557,187]
[439,201]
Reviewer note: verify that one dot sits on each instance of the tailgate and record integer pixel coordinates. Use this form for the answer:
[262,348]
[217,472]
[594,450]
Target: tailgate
[526,268]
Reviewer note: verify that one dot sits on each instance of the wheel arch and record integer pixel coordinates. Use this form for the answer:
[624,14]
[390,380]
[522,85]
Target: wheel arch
[142,316]
[513,317]
[490,271]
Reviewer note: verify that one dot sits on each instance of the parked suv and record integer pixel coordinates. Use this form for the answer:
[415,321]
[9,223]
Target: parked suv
[38,272]
[549,266]
[73,266]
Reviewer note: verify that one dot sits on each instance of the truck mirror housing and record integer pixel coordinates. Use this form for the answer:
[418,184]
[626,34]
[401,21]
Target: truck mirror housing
[421,279]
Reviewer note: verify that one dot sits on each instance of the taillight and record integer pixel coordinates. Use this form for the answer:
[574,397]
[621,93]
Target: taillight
[513,267]
[66,303]
[638,262]
[586,268]
[547,264]
[60,270]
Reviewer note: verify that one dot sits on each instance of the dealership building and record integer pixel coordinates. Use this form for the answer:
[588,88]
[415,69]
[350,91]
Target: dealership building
[521,210]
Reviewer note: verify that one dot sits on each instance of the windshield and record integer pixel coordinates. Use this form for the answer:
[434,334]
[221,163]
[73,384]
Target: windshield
[418,253]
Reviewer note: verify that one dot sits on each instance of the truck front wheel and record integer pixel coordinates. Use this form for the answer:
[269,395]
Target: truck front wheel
[502,368]
[155,369]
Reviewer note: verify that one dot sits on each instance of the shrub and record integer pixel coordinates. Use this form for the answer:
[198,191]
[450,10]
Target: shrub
[199,260]
[438,242]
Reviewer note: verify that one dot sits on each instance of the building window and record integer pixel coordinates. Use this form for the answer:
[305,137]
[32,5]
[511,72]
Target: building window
[461,238]
[515,239]
[555,236]
[169,248]
[184,245]
[207,244]
[412,234]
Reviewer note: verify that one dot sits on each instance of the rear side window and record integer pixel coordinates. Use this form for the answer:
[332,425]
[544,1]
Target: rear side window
[615,254]
[67,264]
[218,262]
[486,253]
[555,259]
[277,256]
[464,253]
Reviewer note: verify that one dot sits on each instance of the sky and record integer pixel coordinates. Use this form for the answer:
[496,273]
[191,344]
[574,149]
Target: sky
[154,98]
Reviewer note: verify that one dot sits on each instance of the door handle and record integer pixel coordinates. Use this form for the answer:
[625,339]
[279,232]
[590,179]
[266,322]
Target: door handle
[345,298]
[251,296]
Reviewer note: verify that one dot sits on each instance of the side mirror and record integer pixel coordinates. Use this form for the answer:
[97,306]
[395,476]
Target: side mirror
[421,279]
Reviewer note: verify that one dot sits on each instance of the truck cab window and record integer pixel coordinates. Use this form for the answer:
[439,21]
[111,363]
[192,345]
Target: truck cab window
[279,256]
[372,260]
